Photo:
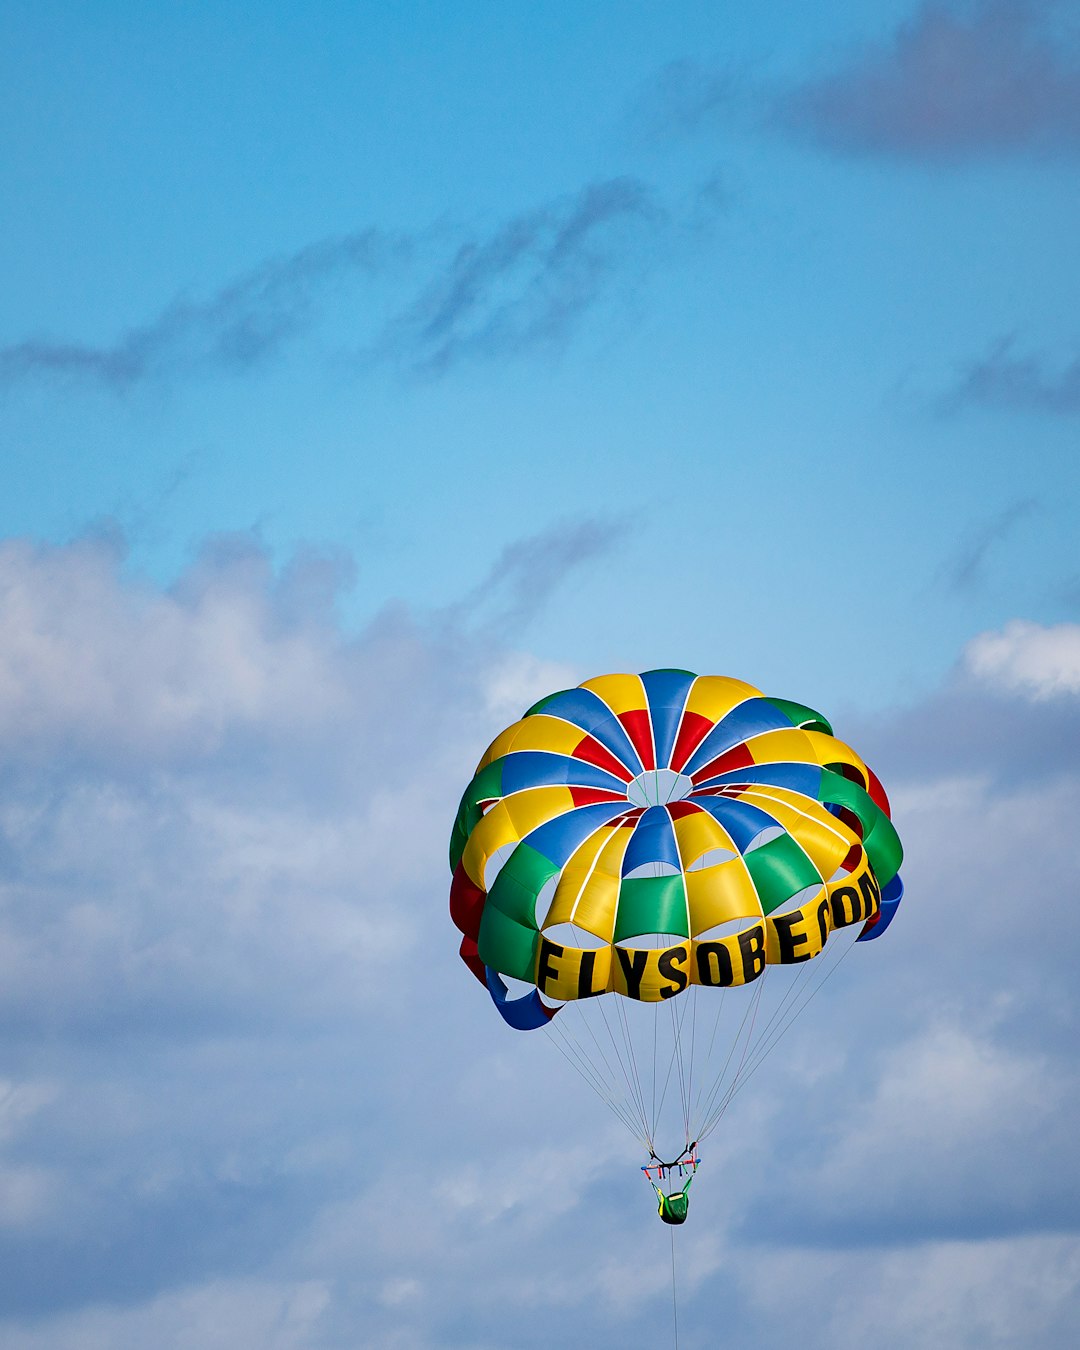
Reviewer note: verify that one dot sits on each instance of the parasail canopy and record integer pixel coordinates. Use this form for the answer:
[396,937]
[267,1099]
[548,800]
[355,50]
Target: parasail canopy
[641,837]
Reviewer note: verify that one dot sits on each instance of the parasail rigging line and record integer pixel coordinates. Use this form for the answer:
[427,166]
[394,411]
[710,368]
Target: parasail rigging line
[569,1048]
[674,1298]
[825,976]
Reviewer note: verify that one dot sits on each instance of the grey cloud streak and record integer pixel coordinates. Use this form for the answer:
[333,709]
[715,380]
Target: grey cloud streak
[965,572]
[683,98]
[1024,383]
[527,282]
[526,573]
[243,323]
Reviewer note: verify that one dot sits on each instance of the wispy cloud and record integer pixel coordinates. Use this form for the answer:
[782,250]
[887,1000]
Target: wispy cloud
[526,283]
[965,571]
[1027,383]
[245,322]
[527,572]
[684,97]
[954,81]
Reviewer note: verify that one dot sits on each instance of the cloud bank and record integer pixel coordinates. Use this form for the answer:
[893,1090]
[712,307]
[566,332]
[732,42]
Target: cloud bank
[245,1083]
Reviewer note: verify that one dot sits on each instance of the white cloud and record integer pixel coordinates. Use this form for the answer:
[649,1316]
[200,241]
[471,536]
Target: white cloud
[520,681]
[27,1195]
[218,1315]
[213,798]
[268,1100]
[20,1103]
[950,1104]
[1028,658]
[965,1295]
[96,660]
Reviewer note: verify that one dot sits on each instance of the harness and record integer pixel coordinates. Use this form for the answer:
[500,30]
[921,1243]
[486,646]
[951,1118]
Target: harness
[673,1208]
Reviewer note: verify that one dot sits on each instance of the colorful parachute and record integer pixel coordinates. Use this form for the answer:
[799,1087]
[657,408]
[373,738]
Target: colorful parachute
[654,835]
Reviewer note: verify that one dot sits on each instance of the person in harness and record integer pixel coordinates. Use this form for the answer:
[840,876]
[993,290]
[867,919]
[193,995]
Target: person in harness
[673,1207]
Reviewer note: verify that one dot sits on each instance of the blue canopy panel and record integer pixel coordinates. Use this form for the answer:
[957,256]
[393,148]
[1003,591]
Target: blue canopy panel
[523,1014]
[890,902]
[542,768]
[557,839]
[746,719]
[802,778]
[741,820]
[584,709]
[667,692]
[653,841]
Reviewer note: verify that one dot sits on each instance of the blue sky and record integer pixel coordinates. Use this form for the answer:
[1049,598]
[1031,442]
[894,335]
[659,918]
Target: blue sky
[366,372]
